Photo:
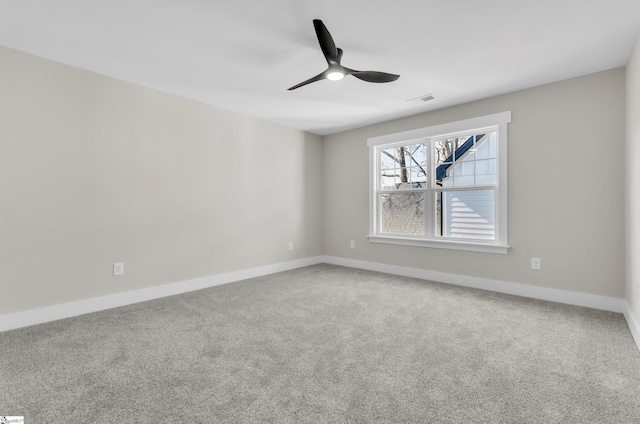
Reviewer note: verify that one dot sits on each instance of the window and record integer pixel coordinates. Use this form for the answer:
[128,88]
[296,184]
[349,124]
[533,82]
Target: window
[443,186]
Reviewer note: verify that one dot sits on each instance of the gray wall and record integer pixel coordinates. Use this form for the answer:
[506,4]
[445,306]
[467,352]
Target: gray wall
[566,189]
[95,171]
[633,179]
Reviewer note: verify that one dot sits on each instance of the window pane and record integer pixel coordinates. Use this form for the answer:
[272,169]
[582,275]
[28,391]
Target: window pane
[390,179]
[387,180]
[466,214]
[402,173]
[438,214]
[468,155]
[444,150]
[463,174]
[443,157]
[445,182]
[486,172]
[486,146]
[388,169]
[402,213]
[417,177]
[416,155]
[466,148]
[387,158]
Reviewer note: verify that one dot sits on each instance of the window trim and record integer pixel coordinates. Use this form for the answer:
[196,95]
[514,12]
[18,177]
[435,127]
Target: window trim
[500,244]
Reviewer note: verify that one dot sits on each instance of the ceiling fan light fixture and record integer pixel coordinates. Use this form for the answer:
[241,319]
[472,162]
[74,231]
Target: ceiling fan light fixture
[333,55]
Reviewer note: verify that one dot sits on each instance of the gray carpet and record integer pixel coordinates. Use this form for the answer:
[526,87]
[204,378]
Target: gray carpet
[326,344]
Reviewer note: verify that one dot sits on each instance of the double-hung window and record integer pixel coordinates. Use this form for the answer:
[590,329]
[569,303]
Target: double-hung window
[442,186]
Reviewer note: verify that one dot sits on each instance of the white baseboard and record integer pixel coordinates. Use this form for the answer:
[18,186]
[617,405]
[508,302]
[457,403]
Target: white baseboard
[633,325]
[66,310]
[524,290]
[56,312]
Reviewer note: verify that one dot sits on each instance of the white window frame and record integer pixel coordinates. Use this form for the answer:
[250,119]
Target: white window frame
[376,144]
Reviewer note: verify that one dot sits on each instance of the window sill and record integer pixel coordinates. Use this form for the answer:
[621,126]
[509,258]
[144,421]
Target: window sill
[441,244]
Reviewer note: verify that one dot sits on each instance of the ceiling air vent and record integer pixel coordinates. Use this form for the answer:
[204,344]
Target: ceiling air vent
[420,100]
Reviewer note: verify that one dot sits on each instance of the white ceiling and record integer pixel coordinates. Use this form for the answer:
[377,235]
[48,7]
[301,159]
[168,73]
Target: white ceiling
[244,54]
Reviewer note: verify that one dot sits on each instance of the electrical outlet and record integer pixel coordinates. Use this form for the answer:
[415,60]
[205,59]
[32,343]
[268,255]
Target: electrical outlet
[118,268]
[290,245]
[536,263]
[352,244]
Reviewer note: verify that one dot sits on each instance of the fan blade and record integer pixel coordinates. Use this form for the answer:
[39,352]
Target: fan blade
[373,76]
[339,55]
[309,81]
[326,42]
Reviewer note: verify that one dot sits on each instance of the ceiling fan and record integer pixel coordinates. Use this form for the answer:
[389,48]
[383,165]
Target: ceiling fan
[336,71]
